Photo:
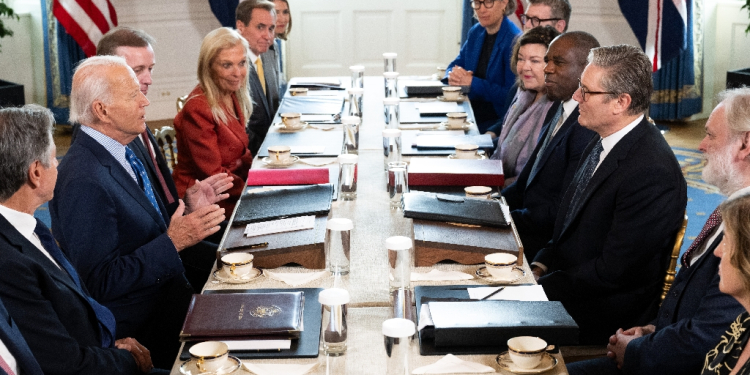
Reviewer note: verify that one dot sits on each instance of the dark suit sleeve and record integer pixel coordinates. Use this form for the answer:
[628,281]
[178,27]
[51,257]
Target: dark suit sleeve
[649,201]
[39,321]
[679,348]
[98,249]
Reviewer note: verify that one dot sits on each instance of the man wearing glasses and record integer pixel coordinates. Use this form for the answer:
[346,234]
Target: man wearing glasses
[483,64]
[555,13]
[616,224]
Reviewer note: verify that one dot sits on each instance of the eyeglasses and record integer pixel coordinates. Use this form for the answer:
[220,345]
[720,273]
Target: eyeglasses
[487,4]
[535,21]
[585,92]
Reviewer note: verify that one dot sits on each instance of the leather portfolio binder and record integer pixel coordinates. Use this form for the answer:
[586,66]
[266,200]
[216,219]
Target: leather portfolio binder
[304,347]
[301,176]
[312,105]
[449,142]
[455,172]
[435,241]
[244,315]
[283,202]
[451,208]
[332,141]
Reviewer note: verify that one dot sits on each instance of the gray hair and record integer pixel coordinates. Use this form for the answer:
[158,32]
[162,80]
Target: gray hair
[244,10]
[559,8]
[90,85]
[628,71]
[737,109]
[25,137]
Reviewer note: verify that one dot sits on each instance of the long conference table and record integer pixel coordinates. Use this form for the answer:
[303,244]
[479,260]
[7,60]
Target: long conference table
[367,282]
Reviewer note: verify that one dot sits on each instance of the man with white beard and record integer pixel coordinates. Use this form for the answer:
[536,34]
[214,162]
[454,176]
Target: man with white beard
[694,313]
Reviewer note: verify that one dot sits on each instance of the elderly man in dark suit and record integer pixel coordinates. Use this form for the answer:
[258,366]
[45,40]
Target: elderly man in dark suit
[256,22]
[116,231]
[694,313]
[535,196]
[615,228]
[67,331]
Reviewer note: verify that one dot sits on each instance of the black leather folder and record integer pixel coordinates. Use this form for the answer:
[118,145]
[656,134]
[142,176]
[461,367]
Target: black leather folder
[304,347]
[332,140]
[455,209]
[312,105]
[285,202]
[449,142]
[464,326]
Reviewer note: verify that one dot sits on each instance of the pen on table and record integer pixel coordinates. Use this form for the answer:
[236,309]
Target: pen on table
[492,294]
[253,246]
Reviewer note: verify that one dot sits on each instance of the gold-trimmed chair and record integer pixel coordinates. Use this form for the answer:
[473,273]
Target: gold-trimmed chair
[671,270]
[181,102]
[167,142]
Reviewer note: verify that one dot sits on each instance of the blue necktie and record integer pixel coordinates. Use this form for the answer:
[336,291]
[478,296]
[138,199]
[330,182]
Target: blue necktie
[106,320]
[582,179]
[140,174]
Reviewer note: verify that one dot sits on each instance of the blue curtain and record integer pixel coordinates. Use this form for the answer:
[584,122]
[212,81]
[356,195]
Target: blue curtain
[677,92]
[224,11]
[468,20]
[61,55]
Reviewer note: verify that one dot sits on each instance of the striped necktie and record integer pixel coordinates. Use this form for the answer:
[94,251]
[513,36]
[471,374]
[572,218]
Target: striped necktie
[581,181]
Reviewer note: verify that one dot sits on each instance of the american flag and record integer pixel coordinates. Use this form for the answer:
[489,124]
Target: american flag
[85,20]
[659,25]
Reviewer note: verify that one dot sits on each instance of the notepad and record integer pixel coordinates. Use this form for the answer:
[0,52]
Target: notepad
[279,226]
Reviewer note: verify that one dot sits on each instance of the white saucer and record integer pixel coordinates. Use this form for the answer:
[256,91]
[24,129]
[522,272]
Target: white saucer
[291,161]
[505,363]
[252,275]
[284,129]
[189,368]
[461,99]
[478,157]
[517,274]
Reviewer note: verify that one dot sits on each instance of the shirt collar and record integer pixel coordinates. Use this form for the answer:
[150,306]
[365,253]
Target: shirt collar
[569,106]
[609,142]
[744,191]
[23,222]
[253,57]
[116,149]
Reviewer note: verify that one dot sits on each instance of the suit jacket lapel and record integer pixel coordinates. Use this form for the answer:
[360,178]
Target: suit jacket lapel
[572,119]
[122,177]
[16,345]
[607,166]
[258,89]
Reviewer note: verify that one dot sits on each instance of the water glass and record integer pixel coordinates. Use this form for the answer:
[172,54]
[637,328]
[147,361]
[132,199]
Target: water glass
[390,80]
[351,134]
[390,61]
[333,329]
[398,183]
[355,101]
[348,177]
[391,146]
[337,245]
[358,75]
[397,334]
[391,108]
[399,262]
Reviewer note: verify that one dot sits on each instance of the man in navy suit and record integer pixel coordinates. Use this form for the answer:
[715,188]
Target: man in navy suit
[615,228]
[694,313]
[535,196]
[66,330]
[256,22]
[114,228]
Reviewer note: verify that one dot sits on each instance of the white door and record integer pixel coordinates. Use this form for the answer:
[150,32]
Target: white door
[330,35]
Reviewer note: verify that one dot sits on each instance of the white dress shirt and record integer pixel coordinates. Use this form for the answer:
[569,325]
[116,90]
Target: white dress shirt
[25,224]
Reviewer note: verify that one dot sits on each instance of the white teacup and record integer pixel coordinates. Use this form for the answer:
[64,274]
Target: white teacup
[467,151]
[452,93]
[298,91]
[456,119]
[291,120]
[526,351]
[500,265]
[478,191]
[279,154]
[210,356]
[236,265]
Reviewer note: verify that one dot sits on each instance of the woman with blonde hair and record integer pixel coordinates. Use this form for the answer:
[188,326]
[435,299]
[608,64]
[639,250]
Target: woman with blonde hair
[210,128]
[283,27]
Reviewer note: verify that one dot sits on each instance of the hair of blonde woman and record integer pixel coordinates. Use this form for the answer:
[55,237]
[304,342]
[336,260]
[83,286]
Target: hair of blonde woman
[215,42]
[286,32]
[734,213]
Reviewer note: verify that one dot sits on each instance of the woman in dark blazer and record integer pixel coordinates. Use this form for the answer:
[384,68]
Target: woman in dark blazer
[483,63]
[211,135]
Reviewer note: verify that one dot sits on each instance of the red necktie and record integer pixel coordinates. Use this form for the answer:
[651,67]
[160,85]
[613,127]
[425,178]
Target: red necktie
[713,221]
[159,176]
[4,365]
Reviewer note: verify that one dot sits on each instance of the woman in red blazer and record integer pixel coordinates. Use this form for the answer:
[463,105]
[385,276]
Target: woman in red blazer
[211,135]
